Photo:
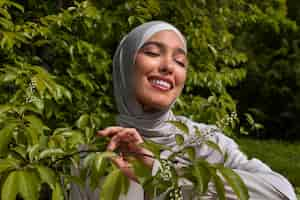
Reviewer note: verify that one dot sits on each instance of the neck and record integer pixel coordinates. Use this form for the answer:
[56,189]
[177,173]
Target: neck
[149,109]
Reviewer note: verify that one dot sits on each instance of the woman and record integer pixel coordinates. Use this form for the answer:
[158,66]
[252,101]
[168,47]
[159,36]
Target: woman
[150,67]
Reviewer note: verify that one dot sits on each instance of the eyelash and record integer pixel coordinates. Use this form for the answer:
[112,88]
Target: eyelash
[151,53]
[180,63]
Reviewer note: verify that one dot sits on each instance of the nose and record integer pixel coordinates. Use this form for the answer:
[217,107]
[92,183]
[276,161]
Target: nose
[167,65]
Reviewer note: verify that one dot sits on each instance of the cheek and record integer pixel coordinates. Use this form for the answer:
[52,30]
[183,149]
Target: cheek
[138,71]
[144,64]
[181,77]
[142,67]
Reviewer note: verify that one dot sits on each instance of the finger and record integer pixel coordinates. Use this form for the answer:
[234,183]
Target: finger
[130,135]
[125,135]
[121,162]
[125,167]
[120,138]
[114,143]
[109,131]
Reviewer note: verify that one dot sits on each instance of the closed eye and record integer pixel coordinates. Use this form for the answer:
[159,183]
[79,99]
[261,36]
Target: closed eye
[182,64]
[151,53]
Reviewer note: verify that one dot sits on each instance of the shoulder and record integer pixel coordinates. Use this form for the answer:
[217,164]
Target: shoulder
[203,135]
[209,131]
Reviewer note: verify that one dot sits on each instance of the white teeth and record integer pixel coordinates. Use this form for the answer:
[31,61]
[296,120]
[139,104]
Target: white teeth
[161,83]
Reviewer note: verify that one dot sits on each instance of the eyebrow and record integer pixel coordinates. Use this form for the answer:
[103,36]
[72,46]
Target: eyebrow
[161,45]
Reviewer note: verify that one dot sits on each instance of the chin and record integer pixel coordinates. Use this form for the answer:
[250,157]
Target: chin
[155,101]
[157,106]
[162,107]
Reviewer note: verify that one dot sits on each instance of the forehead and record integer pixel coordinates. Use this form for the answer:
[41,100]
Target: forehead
[168,38]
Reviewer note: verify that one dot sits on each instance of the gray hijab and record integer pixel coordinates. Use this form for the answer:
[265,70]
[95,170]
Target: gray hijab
[151,126]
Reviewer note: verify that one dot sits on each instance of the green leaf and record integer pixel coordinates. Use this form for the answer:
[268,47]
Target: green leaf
[219,185]
[36,123]
[95,178]
[113,186]
[33,151]
[213,145]
[39,84]
[201,172]
[70,133]
[179,139]
[154,147]
[83,121]
[57,193]
[39,104]
[198,132]
[5,107]
[64,92]
[235,182]
[86,81]
[8,164]
[6,135]
[78,180]
[16,5]
[51,152]
[10,76]
[43,80]
[25,183]
[56,141]
[73,138]
[29,185]
[5,13]
[190,152]
[249,119]
[100,160]
[142,172]
[180,125]
[47,175]
[7,24]
[19,152]
[10,187]
[88,160]
[58,131]
[243,130]
[32,135]
[124,184]
[213,50]
[99,166]
[131,20]
[89,133]
[34,129]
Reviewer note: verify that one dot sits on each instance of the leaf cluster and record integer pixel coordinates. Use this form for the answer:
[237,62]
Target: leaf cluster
[182,169]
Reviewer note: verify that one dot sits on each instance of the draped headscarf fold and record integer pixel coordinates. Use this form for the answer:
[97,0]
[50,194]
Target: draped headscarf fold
[151,126]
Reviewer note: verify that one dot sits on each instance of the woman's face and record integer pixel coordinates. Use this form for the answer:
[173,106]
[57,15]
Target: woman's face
[160,71]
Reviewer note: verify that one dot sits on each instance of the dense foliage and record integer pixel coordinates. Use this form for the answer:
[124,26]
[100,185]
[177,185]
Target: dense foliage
[271,89]
[56,87]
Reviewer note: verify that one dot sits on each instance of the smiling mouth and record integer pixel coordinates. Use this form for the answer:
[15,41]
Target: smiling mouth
[161,84]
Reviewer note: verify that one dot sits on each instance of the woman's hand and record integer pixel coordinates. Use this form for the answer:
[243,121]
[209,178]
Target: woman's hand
[128,141]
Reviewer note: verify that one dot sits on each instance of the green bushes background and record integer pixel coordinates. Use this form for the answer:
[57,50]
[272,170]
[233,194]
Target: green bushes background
[56,64]
[241,53]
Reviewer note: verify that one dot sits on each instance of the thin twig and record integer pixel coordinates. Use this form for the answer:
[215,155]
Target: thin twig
[96,151]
